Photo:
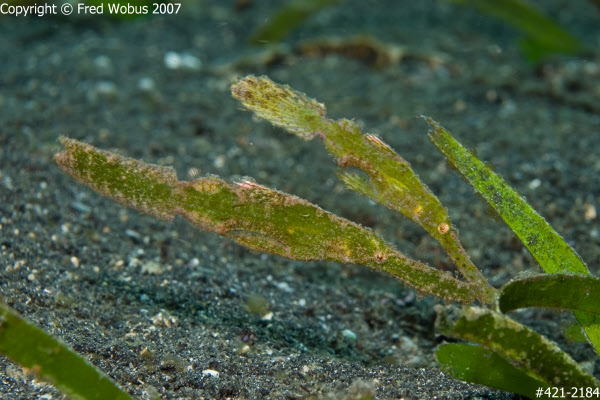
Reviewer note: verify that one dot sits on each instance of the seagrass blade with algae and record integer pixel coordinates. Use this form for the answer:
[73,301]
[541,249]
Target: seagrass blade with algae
[551,251]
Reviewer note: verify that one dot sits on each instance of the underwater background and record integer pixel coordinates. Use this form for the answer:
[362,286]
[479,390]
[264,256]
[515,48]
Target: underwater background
[158,305]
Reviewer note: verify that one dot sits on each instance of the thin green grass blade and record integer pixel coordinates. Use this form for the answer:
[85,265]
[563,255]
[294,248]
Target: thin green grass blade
[523,347]
[286,18]
[543,36]
[52,360]
[254,216]
[544,243]
[563,291]
[484,367]
[389,179]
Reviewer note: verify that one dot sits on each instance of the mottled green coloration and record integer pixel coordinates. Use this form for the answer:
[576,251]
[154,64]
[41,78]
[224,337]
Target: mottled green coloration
[52,360]
[286,18]
[551,251]
[543,36]
[544,243]
[145,187]
[482,366]
[255,216]
[564,291]
[389,179]
[518,344]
